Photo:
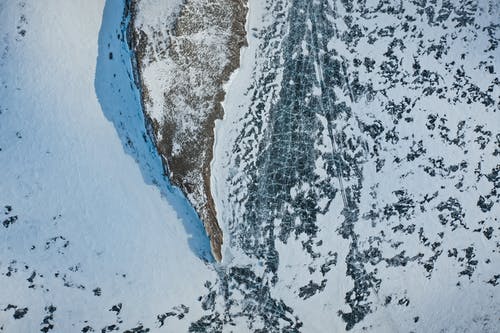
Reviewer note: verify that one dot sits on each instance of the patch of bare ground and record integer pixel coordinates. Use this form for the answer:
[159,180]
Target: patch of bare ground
[203,51]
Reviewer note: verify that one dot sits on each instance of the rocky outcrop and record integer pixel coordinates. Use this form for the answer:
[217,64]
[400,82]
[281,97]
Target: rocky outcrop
[182,63]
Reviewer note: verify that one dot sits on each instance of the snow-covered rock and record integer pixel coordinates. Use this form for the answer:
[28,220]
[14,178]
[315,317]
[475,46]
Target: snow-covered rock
[185,54]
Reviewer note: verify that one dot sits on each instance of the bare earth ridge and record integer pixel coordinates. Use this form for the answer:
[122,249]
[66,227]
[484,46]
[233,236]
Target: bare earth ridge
[192,59]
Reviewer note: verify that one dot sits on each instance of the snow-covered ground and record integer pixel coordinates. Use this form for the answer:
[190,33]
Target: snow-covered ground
[88,238]
[156,19]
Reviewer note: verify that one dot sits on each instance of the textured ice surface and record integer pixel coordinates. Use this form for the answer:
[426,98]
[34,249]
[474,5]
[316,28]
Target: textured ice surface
[364,167]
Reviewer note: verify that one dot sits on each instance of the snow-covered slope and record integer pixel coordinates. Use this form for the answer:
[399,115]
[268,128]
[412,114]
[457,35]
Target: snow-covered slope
[359,167]
[88,239]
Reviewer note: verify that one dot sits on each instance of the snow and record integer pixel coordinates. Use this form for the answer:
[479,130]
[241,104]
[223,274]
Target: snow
[156,19]
[93,208]
[226,130]
[154,13]
[161,72]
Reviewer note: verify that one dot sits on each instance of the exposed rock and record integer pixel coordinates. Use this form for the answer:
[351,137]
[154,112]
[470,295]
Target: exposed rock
[197,54]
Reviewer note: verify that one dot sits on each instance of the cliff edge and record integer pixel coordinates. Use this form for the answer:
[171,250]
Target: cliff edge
[184,53]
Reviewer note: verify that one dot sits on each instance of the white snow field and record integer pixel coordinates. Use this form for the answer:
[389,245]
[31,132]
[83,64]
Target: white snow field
[88,242]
